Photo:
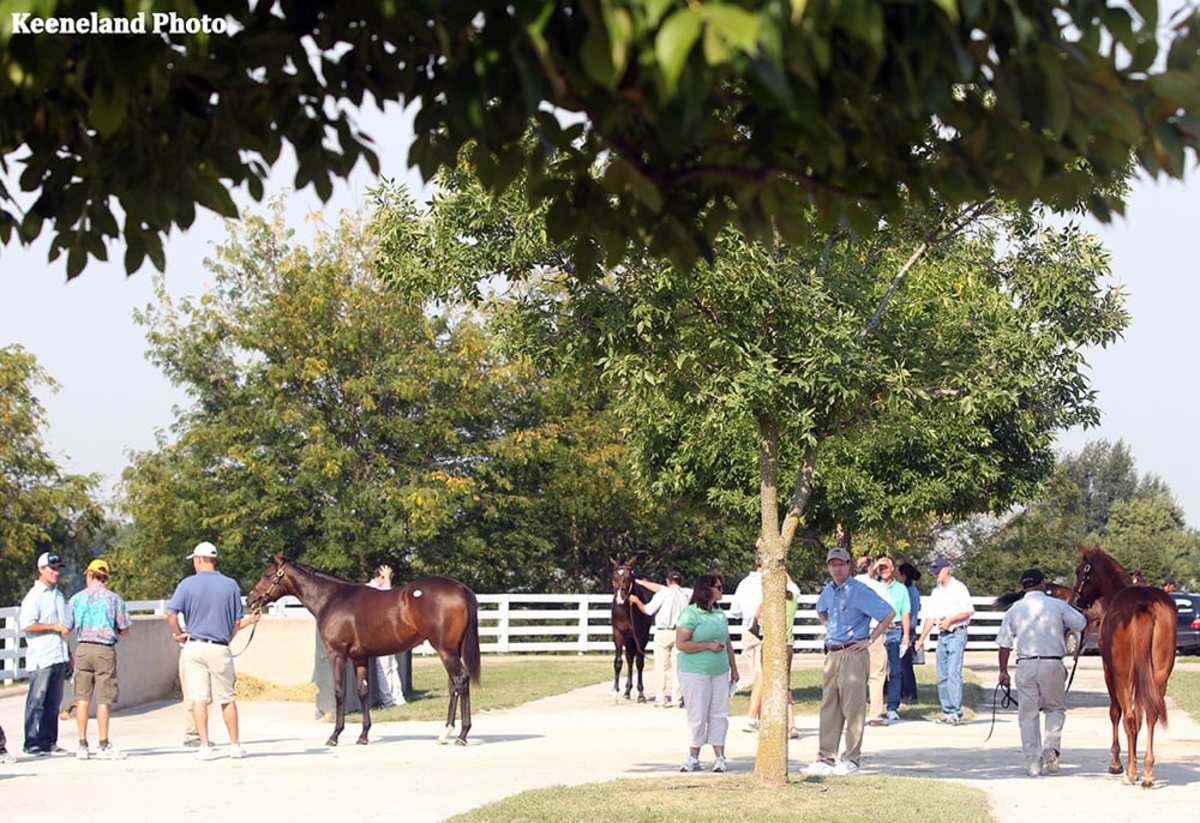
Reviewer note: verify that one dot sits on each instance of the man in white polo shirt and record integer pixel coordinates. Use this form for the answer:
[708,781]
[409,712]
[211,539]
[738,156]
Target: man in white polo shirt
[666,605]
[949,608]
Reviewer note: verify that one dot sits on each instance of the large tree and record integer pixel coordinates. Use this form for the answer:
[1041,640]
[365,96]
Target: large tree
[846,382]
[772,114]
[331,418]
[42,508]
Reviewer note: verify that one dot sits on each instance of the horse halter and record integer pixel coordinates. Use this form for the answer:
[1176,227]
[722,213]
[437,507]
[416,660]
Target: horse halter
[275,581]
[1084,579]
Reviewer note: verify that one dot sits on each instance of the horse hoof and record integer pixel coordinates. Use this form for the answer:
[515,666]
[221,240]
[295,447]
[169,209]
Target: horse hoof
[1129,781]
[1147,782]
[628,696]
[1118,769]
[458,741]
[362,741]
[331,741]
[641,698]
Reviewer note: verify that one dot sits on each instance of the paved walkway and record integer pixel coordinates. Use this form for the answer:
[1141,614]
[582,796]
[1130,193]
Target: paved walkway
[573,738]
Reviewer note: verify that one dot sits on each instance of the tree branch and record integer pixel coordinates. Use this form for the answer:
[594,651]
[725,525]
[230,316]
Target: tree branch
[799,498]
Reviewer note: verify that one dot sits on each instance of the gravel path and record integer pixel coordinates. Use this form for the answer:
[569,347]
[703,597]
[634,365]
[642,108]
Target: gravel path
[573,738]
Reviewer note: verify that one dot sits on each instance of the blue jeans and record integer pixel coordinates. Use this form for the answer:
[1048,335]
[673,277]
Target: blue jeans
[891,642]
[950,649]
[41,707]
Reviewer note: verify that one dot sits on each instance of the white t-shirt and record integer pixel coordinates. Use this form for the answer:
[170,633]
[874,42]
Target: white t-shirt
[877,587]
[667,604]
[947,601]
[1037,625]
[748,596]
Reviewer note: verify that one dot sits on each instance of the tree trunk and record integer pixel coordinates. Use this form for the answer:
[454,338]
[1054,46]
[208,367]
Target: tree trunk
[771,763]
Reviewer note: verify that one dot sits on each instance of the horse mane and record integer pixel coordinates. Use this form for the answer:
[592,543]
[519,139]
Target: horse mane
[1108,564]
[314,572]
[1006,600]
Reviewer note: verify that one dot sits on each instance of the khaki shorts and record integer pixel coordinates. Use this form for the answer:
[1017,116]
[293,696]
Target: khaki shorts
[206,673]
[96,671]
[752,649]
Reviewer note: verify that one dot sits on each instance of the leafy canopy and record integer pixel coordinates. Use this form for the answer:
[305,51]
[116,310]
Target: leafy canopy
[42,508]
[773,115]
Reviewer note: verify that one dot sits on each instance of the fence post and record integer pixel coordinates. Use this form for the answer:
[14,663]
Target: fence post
[584,605]
[10,669]
[502,625]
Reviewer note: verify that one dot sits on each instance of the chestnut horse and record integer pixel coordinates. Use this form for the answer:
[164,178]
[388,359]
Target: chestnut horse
[630,627]
[358,622]
[1137,643]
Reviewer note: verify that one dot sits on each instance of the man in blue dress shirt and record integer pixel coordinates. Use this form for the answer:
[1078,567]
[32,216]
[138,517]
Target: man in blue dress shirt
[45,622]
[845,607]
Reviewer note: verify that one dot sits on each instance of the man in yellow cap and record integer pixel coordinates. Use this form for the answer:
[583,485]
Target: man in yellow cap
[99,616]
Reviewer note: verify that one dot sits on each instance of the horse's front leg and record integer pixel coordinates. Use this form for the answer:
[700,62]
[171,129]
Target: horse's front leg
[1148,765]
[641,664]
[617,675]
[629,655]
[1114,714]
[339,695]
[362,685]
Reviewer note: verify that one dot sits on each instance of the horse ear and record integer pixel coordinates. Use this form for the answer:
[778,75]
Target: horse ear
[1084,551]
[279,559]
[631,562]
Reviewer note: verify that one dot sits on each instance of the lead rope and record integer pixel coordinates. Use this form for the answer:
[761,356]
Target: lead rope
[1006,702]
[253,629]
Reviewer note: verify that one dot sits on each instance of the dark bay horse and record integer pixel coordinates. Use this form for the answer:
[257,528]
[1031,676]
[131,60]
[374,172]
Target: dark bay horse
[358,622]
[1137,643]
[630,627]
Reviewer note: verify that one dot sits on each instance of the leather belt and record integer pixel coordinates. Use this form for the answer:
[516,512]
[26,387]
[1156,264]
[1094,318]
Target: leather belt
[205,640]
[1041,657]
[841,647]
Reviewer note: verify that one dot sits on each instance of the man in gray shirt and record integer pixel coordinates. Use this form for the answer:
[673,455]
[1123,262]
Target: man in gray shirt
[1037,624]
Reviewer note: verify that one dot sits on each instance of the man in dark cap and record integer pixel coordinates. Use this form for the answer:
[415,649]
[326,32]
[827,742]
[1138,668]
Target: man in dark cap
[1037,626]
[1169,584]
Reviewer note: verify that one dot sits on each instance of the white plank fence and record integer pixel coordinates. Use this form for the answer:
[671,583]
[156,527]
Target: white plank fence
[512,623]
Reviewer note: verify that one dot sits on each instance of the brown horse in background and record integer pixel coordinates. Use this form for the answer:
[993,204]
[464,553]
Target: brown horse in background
[1137,643]
[358,622]
[630,627]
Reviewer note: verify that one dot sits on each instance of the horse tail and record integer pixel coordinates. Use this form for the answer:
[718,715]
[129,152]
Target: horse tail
[1147,697]
[1006,600]
[468,649]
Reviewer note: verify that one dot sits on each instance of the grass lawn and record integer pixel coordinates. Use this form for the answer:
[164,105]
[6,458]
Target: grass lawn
[806,694]
[507,682]
[1184,687]
[858,799]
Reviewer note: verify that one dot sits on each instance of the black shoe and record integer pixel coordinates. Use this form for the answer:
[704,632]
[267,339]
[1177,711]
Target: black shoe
[36,751]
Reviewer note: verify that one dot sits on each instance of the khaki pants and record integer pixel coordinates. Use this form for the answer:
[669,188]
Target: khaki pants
[843,704]
[878,663]
[1041,687]
[666,658]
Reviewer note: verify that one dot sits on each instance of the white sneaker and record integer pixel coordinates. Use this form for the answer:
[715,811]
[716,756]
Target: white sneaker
[751,726]
[893,716]
[83,753]
[237,751]
[206,753]
[692,764]
[6,758]
[818,768]
[1034,769]
[719,763]
[844,768]
[1050,761]
[109,752]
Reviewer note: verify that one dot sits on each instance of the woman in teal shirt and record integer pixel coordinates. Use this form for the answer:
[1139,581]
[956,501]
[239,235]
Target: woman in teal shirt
[707,670]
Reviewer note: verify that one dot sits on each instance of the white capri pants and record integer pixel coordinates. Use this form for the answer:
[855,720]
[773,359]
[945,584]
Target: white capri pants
[706,697]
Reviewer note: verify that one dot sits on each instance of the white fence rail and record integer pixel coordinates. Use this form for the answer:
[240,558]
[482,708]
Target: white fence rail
[510,623]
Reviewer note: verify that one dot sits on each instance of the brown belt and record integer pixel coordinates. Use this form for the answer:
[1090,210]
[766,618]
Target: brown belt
[842,647]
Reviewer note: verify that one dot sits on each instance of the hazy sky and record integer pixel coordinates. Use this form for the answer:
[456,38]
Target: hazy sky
[112,400]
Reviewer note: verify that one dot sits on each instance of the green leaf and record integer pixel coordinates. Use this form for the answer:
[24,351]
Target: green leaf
[736,26]
[108,108]
[673,45]
[211,194]
[1056,98]
[1178,87]
[798,7]
[950,7]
